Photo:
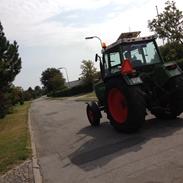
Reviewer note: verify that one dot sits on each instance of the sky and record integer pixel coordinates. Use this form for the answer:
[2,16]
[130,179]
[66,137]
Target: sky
[51,33]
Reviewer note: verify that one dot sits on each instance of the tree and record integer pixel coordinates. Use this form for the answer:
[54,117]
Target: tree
[37,91]
[5,103]
[10,62]
[89,72]
[169,24]
[16,93]
[52,80]
[28,94]
[172,51]
[10,66]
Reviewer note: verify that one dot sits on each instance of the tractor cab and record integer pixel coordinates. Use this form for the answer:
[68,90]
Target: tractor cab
[139,52]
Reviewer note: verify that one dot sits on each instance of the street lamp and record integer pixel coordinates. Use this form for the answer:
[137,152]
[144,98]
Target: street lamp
[101,43]
[66,74]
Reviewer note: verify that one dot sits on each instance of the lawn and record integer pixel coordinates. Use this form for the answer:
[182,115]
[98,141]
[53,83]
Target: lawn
[14,138]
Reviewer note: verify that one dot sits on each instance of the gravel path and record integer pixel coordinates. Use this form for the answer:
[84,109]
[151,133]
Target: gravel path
[20,174]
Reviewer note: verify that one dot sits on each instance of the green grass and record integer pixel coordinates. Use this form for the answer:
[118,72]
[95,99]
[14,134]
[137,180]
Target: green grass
[80,97]
[14,138]
[87,97]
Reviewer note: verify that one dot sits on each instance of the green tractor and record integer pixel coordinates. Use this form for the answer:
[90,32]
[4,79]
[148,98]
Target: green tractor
[134,78]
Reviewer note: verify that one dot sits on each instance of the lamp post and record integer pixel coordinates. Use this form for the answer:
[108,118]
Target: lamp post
[66,75]
[91,37]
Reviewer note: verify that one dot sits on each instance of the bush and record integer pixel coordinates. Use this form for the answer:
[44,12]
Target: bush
[3,111]
[5,104]
[172,51]
[85,88]
[179,61]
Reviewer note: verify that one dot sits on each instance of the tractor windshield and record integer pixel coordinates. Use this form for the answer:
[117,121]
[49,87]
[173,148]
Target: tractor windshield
[141,53]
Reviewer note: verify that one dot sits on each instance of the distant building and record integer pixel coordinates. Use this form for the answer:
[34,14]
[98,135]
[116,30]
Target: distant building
[75,83]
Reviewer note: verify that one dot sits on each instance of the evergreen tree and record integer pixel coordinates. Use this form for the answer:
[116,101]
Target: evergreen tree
[10,66]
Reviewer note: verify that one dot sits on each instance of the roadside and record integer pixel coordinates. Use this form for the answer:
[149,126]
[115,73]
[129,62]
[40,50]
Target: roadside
[87,97]
[22,174]
[82,97]
[15,146]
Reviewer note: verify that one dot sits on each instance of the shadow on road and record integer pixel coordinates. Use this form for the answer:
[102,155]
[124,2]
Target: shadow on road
[106,141]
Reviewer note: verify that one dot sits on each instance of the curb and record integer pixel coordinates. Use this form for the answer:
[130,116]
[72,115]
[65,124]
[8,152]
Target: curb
[35,165]
[86,100]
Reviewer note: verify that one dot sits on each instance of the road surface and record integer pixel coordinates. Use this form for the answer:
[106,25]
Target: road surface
[70,151]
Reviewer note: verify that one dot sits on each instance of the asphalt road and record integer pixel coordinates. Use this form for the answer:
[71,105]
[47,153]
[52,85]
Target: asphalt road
[70,151]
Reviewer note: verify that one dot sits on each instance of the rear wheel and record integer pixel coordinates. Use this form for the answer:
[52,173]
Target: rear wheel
[175,106]
[125,106]
[93,114]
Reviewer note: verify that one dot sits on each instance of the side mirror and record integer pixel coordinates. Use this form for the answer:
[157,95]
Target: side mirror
[97,57]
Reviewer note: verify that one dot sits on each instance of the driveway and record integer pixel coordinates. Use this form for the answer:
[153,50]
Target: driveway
[70,151]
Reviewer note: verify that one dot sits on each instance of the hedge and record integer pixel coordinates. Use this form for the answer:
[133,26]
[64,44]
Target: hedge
[85,88]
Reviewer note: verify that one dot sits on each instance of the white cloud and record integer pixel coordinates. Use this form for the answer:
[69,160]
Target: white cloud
[24,20]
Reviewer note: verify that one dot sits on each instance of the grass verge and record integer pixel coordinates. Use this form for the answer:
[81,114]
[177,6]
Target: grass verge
[15,144]
[87,97]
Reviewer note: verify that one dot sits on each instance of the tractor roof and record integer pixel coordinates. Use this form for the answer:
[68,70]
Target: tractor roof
[130,37]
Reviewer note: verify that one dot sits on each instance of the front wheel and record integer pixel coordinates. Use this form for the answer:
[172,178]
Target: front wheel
[125,106]
[93,114]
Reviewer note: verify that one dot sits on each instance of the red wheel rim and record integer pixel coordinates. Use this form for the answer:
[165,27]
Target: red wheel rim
[117,105]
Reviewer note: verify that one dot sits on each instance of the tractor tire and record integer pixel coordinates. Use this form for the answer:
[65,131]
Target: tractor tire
[126,107]
[176,100]
[93,114]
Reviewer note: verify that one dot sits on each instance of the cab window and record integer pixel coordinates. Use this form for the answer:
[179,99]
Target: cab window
[114,59]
